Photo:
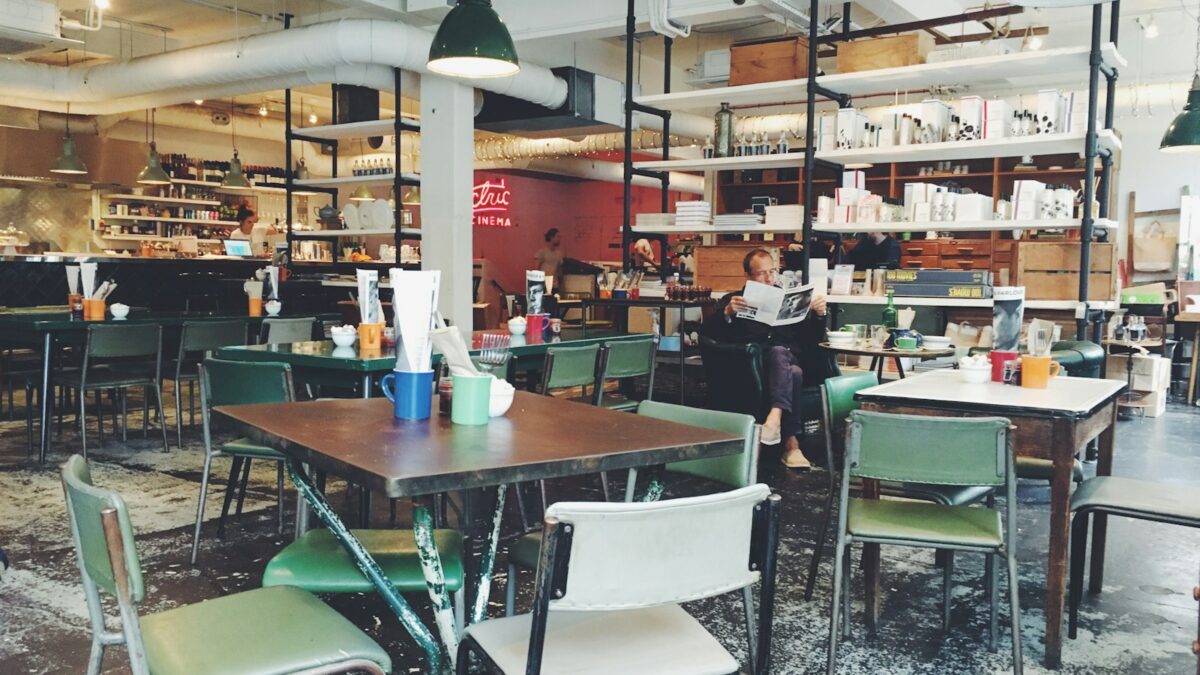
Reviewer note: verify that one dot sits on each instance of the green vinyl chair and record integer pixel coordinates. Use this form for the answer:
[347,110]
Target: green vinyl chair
[624,360]
[733,471]
[285,331]
[567,367]
[225,382]
[196,339]
[119,357]
[837,402]
[937,451]
[266,631]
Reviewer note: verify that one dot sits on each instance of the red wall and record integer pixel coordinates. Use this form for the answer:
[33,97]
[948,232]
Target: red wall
[587,213]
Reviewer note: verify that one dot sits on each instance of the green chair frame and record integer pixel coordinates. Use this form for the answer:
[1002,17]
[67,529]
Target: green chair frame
[275,331]
[108,561]
[624,360]
[199,337]
[110,351]
[224,382]
[936,451]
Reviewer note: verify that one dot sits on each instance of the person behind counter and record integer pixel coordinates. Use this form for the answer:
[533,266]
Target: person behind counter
[786,347]
[250,229]
[877,249]
[642,254]
[549,258]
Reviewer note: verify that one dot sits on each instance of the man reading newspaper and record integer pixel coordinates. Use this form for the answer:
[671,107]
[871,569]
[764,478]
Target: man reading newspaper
[789,324]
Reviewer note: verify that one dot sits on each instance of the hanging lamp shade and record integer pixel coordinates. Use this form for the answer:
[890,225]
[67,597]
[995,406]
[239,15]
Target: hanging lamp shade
[362,194]
[473,42]
[1183,134]
[235,178]
[152,173]
[412,197]
[68,162]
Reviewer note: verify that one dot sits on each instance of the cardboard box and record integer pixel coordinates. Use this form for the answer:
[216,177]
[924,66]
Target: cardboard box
[1050,111]
[851,127]
[937,113]
[997,117]
[1154,404]
[909,49]
[1151,372]
[854,179]
[973,207]
[768,60]
[1026,196]
[826,132]
[970,118]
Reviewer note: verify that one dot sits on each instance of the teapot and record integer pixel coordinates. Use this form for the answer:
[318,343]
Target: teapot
[327,213]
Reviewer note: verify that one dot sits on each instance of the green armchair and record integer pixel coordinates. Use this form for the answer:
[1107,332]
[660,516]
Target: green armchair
[1079,358]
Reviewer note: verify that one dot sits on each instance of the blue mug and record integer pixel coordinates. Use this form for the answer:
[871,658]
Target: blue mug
[411,394]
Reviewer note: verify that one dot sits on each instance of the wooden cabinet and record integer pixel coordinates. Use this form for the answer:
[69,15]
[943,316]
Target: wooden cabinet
[1049,270]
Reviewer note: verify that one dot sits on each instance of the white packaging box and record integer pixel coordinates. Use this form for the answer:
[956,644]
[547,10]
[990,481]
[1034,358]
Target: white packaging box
[997,117]
[825,208]
[1049,111]
[850,130]
[922,212]
[973,207]
[937,113]
[826,132]
[970,118]
[1151,372]
[848,196]
[918,192]
[1077,113]
[889,130]
[854,179]
[1026,194]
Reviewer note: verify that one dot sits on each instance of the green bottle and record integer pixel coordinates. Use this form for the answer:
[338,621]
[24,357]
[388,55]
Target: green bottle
[889,312]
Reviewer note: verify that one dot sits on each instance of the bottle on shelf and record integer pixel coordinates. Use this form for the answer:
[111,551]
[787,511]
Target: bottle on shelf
[783,146]
[709,149]
[889,312]
[723,131]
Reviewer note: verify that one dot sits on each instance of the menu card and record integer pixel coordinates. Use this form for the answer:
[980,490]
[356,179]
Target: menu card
[415,317]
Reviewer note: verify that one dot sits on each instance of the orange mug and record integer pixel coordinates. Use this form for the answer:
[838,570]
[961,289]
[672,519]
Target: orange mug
[370,337]
[93,310]
[1036,371]
[255,306]
[75,302]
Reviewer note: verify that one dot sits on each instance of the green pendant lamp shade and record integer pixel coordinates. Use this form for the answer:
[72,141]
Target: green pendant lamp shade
[68,161]
[473,42]
[235,178]
[412,197]
[153,173]
[1183,135]
[362,194]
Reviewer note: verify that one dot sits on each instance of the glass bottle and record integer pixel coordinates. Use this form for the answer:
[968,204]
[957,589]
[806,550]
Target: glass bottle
[723,131]
[739,148]
[889,312]
[709,149]
[783,147]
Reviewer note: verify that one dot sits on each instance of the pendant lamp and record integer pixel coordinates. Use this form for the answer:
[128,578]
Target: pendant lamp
[1183,134]
[412,197]
[152,173]
[362,194]
[68,162]
[473,42]
[235,178]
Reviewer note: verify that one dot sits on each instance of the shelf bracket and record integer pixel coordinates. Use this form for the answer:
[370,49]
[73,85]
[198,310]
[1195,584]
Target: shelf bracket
[650,110]
[657,175]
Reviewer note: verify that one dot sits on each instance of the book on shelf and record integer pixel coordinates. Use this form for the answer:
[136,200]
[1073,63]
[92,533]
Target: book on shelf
[958,277]
[959,291]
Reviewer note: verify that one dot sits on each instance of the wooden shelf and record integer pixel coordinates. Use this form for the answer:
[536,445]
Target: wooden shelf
[151,237]
[337,234]
[790,160]
[162,200]
[351,130]
[157,219]
[961,226]
[1030,70]
[216,185]
[356,181]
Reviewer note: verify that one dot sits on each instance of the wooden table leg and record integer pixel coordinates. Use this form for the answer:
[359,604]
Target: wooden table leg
[870,561]
[899,368]
[1063,448]
[1195,362]
[1100,520]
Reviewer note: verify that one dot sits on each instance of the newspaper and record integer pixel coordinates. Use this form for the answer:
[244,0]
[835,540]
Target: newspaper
[1008,313]
[776,306]
[535,290]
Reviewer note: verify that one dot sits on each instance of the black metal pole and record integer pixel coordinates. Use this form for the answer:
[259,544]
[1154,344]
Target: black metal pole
[397,125]
[626,232]
[1089,161]
[664,269]
[810,141]
[288,176]
[1110,104]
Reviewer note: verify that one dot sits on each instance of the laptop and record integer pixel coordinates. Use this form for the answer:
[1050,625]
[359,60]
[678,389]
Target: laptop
[237,247]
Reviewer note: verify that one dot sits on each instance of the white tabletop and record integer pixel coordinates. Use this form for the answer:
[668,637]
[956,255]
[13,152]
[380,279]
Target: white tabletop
[1070,395]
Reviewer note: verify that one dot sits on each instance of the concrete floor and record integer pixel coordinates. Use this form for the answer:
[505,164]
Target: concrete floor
[1143,622]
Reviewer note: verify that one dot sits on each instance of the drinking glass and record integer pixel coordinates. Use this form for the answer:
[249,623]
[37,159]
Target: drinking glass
[878,335]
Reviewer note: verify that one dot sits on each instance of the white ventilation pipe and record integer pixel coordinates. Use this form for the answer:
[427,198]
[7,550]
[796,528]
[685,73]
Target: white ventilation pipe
[593,169]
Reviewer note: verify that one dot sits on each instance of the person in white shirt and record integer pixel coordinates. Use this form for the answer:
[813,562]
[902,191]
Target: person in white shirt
[250,229]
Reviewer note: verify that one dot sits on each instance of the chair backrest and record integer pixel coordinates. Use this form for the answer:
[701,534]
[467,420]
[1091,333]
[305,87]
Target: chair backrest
[226,382]
[629,358]
[569,367]
[85,504]
[926,449]
[734,470]
[123,340]
[837,402]
[733,373]
[284,331]
[642,554]
[203,336]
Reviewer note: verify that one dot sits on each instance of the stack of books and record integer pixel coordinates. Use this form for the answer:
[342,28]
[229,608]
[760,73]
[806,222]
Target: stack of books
[742,220]
[785,216]
[963,284]
[693,214]
[655,219]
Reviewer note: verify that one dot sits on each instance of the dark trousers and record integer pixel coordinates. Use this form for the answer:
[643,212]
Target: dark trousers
[785,378]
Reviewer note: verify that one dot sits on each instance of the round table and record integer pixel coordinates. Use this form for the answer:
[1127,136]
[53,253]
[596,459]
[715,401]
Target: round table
[879,355]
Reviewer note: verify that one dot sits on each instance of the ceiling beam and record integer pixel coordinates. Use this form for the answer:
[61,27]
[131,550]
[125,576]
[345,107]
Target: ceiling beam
[923,24]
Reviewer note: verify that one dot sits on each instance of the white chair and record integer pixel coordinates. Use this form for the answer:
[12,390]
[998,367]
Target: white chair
[609,580]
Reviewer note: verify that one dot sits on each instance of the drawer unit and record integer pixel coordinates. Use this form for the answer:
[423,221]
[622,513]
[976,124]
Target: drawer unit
[921,262]
[967,263]
[966,247]
[924,247]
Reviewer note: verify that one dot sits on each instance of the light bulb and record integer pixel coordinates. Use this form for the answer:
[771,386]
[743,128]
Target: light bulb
[1035,43]
[199,101]
[262,110]
[100,4]
[312,118]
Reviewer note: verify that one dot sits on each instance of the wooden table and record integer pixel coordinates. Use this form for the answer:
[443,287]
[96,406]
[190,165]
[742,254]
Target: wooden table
[1192,318]
[539,438]
[1052,423]
[48,331]
[880,355]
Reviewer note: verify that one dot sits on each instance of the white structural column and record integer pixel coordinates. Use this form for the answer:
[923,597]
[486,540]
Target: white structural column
[447,175]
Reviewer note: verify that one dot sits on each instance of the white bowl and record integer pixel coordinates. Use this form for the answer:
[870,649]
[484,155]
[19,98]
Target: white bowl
[342,339]
[937,341]
[273,307]
[976,375]
[502,399]
[119,311]
[837,335]
[516,327]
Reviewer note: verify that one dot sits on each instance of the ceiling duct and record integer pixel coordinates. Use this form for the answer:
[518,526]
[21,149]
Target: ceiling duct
[30,26]
[594,104]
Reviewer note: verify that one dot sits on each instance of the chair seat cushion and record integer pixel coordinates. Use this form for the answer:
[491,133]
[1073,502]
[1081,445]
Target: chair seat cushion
[123,375]
[1043,469]
[662,640]
[244,447]
[190,372]
[924,523]
[950,495]
[618,403]
[1134,497]
[264,631]
[524,552]
[317,562]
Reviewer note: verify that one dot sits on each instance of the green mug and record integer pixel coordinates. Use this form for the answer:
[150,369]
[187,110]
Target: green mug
[471,399]
[906,343]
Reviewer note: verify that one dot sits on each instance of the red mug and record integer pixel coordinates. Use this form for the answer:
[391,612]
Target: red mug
[535,324]
[999,358]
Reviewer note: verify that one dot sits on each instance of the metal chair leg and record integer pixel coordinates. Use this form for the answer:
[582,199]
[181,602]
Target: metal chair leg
[200,506]
[279,494]
[604,486]
[123,396]
[947,581]
[162,420]
[751,632]
[230,489]
[146,412]
[178,413]
[815,564]
[241,498]
[835,608]
[1015,610]
[993,584]
[510,590]
[1079,539]
[847,574]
